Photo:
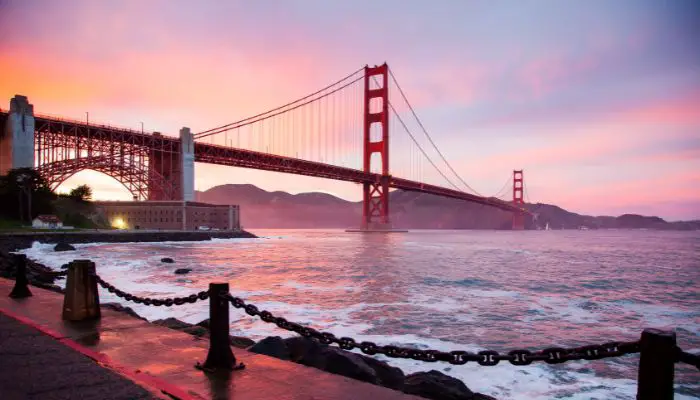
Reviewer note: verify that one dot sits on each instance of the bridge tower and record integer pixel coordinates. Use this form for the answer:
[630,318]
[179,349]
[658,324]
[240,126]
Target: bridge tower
[518,217]
[375,199]
[17,136]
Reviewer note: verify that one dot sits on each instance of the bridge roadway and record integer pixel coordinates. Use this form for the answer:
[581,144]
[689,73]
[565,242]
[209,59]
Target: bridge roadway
[222,155]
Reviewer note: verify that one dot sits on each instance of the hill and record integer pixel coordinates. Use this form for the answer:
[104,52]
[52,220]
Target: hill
[263,209]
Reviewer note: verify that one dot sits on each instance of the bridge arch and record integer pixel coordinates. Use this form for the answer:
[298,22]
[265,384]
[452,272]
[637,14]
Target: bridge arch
[136,180]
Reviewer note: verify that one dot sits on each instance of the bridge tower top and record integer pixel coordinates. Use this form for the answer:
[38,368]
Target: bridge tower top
[518,217]
[518,187]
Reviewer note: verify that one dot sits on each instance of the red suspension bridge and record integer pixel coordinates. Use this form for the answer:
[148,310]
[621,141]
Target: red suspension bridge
[339,132]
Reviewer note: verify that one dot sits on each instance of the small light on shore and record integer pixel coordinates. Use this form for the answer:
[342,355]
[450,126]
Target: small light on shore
[119,223]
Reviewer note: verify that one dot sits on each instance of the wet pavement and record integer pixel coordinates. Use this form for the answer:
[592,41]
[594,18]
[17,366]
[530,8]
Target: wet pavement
[34,365]
[167,357]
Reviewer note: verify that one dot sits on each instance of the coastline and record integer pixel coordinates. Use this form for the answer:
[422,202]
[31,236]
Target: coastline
[13,241]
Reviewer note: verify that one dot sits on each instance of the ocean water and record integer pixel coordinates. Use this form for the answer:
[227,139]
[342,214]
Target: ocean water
[447,290]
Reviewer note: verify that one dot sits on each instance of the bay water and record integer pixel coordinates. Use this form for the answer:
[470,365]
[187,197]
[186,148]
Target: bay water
[445,290]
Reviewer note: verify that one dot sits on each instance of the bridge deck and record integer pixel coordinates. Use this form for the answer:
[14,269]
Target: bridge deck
[214,154]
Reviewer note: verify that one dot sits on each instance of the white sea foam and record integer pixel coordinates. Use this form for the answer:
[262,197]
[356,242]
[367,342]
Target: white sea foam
[318,288]
[548,308]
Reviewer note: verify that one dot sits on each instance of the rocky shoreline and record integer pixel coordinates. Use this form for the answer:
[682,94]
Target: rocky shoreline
[22,240]
[431,385]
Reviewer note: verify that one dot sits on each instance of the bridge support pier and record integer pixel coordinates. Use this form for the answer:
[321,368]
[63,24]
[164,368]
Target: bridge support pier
[375,205]
[17,136]
[163,171]
[186,164]
[171,168]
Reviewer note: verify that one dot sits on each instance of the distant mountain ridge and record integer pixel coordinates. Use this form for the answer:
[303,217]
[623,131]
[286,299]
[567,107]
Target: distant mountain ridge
[263,209]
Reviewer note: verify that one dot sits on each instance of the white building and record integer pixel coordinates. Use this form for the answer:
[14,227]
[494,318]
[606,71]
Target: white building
[47,222]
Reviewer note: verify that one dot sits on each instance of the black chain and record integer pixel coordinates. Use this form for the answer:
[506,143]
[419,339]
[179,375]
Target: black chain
[552,355]
[54,274]
[193,298]
[688,358]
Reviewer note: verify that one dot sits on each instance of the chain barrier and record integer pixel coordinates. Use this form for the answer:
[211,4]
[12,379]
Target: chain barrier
[520,357]
[168,302]
[55,274]
[553,355]
[688,358]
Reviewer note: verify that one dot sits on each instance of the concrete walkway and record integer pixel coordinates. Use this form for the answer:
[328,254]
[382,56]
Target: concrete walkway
[164,359]
[34,365]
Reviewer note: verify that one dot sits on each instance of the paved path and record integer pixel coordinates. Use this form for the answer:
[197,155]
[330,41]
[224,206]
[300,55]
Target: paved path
[36,366]
[164,359]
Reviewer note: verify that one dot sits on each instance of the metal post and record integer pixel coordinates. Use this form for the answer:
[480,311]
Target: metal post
[20,192]
[220,355]
[656,365]
[82,301]
[21,290]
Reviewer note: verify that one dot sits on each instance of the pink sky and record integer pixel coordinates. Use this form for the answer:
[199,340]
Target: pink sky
[598,103]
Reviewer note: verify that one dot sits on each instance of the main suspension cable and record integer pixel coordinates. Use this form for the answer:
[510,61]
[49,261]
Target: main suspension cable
[504,187]
[428,135]
[200,134]
[265,116]
[420,148]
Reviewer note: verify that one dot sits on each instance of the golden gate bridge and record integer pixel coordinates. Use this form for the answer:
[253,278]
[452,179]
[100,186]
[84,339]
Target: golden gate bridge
[339,132]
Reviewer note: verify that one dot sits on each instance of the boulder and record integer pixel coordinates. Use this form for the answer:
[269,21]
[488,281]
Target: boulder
[167,260]
[172,323]
[182,271]
[236,341]
[438,386]
[480,396]
[272,346]
[332,359]
[348,364]
[241,342]
[305,351]
[63,246]
[195,330]
[391,377]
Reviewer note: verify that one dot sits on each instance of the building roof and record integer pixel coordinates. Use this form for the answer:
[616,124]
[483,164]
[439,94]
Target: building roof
[47,218]
[159,203]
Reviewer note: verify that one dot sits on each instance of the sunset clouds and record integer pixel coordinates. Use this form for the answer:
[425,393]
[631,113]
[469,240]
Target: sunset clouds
[598,101]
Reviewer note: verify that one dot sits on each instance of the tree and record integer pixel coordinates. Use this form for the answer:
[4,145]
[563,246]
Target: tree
[81,193]
[25,191]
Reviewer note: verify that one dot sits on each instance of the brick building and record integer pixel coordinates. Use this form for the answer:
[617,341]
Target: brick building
[170,215]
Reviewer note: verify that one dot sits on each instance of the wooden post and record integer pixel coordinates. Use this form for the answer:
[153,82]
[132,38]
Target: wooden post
[21,290]
[220,355]
[82,300]
[656,365]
